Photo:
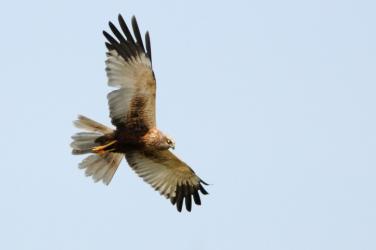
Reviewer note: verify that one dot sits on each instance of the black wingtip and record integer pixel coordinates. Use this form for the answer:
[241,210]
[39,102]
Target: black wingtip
[188,201]
[186,193]
[203,182]
[121,19]
[108,46]
[173,200]
[179,201]
[202,189]
[109,38]
[196,197]
[148,46]
[137,33]
[116,32]
[134,19]
[125,29]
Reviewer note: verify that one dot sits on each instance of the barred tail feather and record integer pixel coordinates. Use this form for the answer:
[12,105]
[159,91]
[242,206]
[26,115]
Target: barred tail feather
[83,142]
[90,125]
[101,166]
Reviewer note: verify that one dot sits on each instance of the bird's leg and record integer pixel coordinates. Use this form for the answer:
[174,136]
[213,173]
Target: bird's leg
[102,148]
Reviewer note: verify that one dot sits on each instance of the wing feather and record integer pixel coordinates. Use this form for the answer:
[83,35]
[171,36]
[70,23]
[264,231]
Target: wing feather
[125,29]
[128,67]
[137,34]
[173,178]
[148,46]
[116,32]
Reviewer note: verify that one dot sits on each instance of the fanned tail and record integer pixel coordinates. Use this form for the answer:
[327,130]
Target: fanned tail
[84,142]
[102,164]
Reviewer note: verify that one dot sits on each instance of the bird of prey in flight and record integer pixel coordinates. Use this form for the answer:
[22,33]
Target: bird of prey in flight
[136,136]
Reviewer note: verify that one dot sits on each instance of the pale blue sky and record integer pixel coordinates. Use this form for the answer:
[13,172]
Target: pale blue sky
[272,102]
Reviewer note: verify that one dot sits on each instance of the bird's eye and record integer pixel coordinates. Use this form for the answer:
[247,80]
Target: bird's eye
[169,141]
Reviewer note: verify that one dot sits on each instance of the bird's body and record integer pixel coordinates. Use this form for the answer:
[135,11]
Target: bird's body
[132,111]
[121,142]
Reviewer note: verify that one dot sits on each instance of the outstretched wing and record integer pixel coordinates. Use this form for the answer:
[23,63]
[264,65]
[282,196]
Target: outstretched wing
[167,174]
[129,67]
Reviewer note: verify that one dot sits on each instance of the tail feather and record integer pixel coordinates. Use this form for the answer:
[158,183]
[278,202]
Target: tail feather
[83,142]
[90,125]
[103,165]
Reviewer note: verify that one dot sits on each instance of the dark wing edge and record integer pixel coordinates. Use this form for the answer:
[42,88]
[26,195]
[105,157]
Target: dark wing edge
[185,193]
[128,46]
[168,175]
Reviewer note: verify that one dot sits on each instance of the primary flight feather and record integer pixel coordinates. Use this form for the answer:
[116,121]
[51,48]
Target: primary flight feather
[132,112]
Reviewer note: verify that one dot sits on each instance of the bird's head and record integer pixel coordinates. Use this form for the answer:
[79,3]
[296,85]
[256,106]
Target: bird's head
[170,142]
[163,141]
[166,142]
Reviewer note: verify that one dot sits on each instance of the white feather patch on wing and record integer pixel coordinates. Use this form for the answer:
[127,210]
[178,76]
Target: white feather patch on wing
[132,77]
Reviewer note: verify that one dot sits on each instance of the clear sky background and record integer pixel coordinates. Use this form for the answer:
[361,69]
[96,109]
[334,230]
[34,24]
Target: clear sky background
[272,102]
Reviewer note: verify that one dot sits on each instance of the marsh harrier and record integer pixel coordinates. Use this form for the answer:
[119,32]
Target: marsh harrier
[132,112]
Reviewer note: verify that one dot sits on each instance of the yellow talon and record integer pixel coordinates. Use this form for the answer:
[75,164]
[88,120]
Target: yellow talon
[102,148]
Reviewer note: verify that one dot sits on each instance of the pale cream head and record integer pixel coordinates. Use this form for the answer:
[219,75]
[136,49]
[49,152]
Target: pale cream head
[170,142]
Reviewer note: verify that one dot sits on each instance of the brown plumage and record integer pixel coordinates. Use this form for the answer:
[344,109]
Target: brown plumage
[132,112]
